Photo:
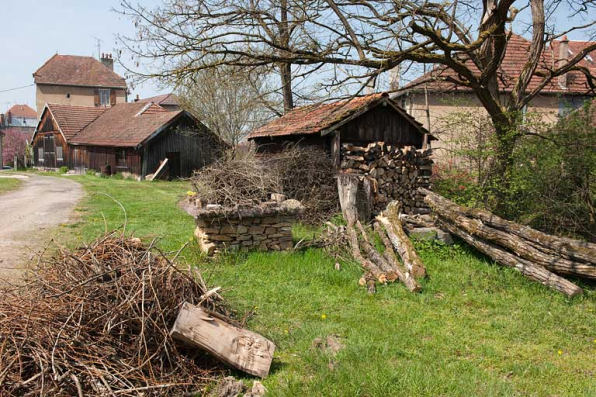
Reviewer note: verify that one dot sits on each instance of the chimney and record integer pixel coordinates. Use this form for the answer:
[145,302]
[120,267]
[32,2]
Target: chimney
[394,77]
[8,119]
[107,60]
[562,60]
[2,120]
[137,98]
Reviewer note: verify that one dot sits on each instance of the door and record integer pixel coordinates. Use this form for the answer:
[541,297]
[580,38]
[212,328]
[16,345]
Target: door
[49,151]
[174,164]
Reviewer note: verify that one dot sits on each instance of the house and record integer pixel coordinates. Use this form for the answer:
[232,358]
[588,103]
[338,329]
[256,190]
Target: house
[21,118]
[166,101]
[431,97]
[79,81]
[1,148]
[360,120]
[132,138]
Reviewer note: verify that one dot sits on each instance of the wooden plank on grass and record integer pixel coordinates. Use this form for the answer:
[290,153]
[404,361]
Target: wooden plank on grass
[240,348]
[159,170]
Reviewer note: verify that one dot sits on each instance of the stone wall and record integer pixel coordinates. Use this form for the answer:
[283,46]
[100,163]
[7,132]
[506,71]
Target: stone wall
[397,173]
[267,227]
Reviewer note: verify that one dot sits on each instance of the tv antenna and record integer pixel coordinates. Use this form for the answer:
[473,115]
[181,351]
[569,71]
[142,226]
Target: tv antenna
[98,45]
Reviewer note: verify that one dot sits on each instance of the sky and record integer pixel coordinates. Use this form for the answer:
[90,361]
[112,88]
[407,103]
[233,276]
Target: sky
[34,30]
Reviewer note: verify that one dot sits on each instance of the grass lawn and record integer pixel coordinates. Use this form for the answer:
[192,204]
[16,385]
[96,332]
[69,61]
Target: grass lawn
[8,184]
[476,329]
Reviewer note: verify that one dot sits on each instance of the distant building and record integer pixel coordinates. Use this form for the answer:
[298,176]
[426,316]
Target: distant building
[79,81]
[166,101]
[19,117]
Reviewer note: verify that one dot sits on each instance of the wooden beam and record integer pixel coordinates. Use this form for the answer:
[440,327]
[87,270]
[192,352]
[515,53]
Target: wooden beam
[238,347]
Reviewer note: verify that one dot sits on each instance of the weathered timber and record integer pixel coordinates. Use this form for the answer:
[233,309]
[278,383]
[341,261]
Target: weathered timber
[529,269]
[372,268]
[566,247]
[238,347]
[389,254]
[376,257]
[347,187]
[454,213]
[160,170]
[401,242]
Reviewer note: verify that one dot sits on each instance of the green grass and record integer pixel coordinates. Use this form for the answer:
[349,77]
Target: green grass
[9,184]
[476,329]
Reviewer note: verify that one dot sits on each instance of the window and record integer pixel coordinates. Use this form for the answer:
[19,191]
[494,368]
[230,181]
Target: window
[568,104]
[59,153]
[121,158]
[40,154]
[104,97]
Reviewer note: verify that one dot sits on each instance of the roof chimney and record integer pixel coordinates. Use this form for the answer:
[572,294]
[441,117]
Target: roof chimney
[137,98]
[2,120]
[562,60]
[107,60]
[394,77]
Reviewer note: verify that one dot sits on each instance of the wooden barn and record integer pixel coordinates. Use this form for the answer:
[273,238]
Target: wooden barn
[132,138]
[360,121]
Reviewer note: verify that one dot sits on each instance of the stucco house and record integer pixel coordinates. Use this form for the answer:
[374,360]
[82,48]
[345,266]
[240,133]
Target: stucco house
[79,81]
[431,98]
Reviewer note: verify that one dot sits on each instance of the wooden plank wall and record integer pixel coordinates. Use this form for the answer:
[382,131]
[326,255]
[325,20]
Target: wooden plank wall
[95,157]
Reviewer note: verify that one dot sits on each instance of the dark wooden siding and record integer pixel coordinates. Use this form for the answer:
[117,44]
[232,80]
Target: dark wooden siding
[277,144]
[50,142]
[196,147]
[95,157]
[382,124]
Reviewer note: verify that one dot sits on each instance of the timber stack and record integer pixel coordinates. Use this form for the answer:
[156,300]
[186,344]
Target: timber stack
[397,173]
[540,257]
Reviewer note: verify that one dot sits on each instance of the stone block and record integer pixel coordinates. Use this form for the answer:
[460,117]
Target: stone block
[286,245]
[220,237]
[211,230]
[241,229]
[244,237]
[256,230]
[228,229]
[271,230]
[431,233]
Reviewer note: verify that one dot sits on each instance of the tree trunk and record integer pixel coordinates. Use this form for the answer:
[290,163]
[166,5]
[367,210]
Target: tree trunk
[405,277]
[376,257]
[568,249]
[531,270]
[401,242]
[286,86]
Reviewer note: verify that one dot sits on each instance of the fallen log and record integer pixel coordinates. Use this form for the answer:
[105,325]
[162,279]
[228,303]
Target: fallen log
[376,257]
[240,348]
[389,254]
[530,270]
[566,247]
[400,241]
[372,268]
[455,214]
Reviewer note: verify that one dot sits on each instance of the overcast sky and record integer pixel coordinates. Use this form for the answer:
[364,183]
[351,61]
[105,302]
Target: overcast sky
[34,30]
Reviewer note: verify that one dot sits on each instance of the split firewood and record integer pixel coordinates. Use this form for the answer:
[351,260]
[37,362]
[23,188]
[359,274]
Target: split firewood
[529,269]
[455,214]
[565,247]
[400,241]
[389,254]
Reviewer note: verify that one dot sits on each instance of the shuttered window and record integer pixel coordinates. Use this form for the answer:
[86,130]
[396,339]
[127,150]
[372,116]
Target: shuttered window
[104,97]
[40,154]
[59,153]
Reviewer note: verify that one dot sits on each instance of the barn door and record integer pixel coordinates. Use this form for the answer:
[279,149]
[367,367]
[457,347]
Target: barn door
[49,151]
[174,164]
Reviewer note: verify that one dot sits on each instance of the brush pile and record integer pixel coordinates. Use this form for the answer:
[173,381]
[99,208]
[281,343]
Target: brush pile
[96,322]
[538,256]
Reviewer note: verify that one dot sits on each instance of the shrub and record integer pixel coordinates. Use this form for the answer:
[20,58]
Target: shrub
[63,170]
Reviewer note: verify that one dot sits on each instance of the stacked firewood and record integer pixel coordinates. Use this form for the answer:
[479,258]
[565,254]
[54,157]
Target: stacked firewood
[540,257]
[398,173]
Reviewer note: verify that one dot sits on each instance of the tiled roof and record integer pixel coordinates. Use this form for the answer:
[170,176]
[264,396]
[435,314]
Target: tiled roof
[72,119]
[125,125]
[313,119]
[162,100]
[77,71]
[22,111]
[515,57]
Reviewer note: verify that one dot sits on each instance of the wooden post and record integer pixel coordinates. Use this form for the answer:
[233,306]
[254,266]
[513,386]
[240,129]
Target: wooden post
[238,347]
[347,187]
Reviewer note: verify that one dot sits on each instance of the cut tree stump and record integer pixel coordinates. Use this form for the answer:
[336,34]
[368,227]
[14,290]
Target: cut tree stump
[238,347]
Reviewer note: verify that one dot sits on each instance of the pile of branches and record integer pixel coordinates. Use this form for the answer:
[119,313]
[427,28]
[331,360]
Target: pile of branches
[238,178]
[540,257]
[307,175]
[96,321]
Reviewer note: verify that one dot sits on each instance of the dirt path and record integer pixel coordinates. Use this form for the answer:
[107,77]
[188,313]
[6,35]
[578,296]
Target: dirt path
[27,216]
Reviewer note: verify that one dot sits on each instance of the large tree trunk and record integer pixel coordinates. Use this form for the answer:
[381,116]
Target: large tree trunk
[531,270]
[561,255]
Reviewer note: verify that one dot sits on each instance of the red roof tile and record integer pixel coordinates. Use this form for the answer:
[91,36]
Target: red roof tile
[77,71]
[22,111]
[313,119]
[162,100]
[72,119]
[125,125]
[515,57]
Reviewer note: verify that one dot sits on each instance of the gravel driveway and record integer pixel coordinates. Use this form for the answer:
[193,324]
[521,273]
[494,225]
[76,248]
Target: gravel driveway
[27,216]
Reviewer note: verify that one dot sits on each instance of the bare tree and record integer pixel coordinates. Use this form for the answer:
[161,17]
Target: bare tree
[230,101]
[360,39]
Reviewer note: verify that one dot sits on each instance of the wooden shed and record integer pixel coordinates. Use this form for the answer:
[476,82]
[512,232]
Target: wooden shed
[360,120]
[129,138]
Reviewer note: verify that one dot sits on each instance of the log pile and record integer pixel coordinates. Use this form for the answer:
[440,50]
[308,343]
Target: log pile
[539,256]
[397,173]
[379,267]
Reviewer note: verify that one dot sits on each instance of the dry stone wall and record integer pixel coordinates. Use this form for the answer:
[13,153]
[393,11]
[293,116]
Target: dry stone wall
[397,173]
[267,227]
